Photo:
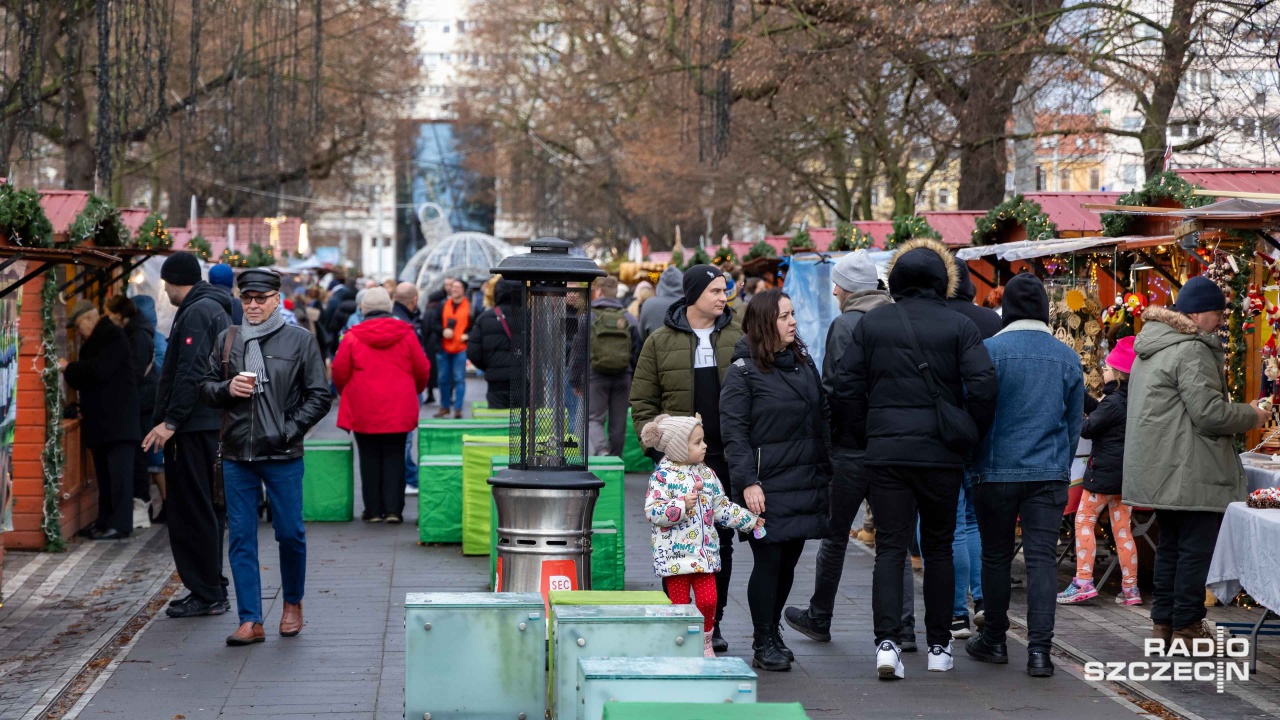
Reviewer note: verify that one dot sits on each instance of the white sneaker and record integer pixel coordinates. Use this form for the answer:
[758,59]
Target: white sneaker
[707,650]
[940,659]
[889,662]
[141,515]
[410,490]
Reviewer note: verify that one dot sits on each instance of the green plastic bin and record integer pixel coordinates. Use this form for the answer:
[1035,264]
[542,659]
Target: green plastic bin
[608,597]
[440,499]
[328,481]
[607,567]
[478,454]
[704,711]
[633,456]
[444,436]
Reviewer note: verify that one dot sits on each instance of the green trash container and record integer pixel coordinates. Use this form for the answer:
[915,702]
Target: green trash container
[487,414]
[632,451]
[328,481]
[440,499]
[478,452]
[443,436]
[607,569]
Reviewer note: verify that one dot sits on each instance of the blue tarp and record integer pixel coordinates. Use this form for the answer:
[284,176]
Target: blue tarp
[808,283]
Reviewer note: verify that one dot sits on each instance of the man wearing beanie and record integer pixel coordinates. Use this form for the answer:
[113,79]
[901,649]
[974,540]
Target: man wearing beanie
[221,276]
[679,372]
[1024,468]
[187,430]
[267,378]
[857,288]
[1179,455]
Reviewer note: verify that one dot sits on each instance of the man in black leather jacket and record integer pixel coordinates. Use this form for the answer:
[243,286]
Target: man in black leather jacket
[272,389]
[188,432]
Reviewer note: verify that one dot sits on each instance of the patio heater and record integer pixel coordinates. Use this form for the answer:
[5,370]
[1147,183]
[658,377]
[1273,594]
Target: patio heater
[546,495]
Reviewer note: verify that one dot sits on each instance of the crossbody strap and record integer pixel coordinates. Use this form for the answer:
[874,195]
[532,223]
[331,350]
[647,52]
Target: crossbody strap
[498,311]
[921,365]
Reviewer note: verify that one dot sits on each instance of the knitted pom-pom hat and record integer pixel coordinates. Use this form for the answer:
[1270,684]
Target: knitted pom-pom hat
[669,435]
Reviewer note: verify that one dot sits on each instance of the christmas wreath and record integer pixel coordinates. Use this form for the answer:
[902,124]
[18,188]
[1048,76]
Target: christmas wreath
[100,222]
[1017,210]
[22,218]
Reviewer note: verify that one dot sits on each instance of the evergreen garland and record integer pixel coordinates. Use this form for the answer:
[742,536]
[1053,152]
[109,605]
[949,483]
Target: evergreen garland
[761,249]
[100,222]
[909,227]
[53,457]
[677,258]
[260,256]
[153,235]
[234,259]
[1017,210]
[700,257]
[1164,185]
[22,218]
[1236,345]
[724,254]
[201,248]
[849,238]
[799,242]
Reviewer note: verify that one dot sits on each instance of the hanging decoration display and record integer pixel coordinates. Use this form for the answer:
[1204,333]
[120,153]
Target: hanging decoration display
[1017,210]
[1163,186]
[1073,315]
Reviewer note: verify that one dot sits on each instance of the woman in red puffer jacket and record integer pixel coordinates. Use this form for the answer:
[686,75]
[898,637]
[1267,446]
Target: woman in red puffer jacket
[380,370]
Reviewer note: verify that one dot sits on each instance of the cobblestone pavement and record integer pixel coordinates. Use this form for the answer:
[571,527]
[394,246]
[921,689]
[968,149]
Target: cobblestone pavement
[65,610]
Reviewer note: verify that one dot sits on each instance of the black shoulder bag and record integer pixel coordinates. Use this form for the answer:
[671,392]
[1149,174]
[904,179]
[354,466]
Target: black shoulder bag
[218,490]
[957,429]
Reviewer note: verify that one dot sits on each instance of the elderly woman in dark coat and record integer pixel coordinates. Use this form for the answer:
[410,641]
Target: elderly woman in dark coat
[773,418]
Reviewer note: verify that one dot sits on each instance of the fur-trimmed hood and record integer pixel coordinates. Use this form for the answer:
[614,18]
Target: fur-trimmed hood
[923,267]
[1164,328]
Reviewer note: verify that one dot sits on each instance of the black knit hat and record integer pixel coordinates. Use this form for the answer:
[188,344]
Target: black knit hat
[1200,294]
[181,268]
[1024,299]
[696,280]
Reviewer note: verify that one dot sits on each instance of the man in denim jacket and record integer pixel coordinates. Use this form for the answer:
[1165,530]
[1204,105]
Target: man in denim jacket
[1024,465]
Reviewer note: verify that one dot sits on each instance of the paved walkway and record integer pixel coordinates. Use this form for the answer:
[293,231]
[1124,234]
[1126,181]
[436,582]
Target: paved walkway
[98,607]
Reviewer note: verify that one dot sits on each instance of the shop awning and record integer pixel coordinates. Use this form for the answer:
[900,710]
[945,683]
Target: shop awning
[1028,249]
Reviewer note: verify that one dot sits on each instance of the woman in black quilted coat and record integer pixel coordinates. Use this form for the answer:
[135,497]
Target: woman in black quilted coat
[774,422]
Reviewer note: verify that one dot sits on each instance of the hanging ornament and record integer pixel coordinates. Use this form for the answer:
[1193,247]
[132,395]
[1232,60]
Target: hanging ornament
[1272,265]
[1075,300]
[1135,304]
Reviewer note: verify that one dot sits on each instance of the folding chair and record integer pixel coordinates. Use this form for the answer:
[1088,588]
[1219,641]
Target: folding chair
[1139,527]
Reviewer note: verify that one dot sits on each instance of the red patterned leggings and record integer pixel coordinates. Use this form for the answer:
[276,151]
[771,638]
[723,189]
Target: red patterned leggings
[703,588]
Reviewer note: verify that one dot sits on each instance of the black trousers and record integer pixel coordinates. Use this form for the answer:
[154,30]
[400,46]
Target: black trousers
[720,467]
[196,530]
[1187,539]
[771,578]
[114,465]
[382,473]
[848,490]
[1037,506]
[498,395]
[897,494]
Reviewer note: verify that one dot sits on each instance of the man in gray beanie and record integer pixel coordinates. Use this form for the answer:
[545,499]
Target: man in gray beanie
[857,286]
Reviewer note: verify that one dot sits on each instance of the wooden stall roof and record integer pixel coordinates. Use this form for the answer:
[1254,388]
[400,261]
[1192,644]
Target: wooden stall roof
[1257,180]
[1067,211]
[133,218]
[955,226]
[66,256]
[62,207]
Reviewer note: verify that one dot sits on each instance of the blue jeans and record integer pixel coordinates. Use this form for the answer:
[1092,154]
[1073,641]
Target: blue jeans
[453,379]
[410,463]
[242,481]
[966,551]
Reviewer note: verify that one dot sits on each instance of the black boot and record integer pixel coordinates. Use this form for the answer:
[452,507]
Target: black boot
[816,629]
[718,643]
[767,655]
[782,647]
[982,650]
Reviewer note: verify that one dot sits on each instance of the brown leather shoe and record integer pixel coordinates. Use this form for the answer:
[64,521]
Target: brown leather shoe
[247,634]
[1161,631]
[291,620]
[457,414]
[442,413]
[1195,631]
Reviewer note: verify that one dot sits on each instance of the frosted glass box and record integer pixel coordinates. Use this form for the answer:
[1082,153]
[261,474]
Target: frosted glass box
[615,631]
[661,679]
[470,656]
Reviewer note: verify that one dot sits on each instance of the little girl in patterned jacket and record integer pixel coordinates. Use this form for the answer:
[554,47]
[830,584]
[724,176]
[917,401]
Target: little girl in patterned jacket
[684,502]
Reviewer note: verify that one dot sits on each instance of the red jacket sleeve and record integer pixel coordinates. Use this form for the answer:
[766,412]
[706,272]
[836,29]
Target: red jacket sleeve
[342,364]
[421,365]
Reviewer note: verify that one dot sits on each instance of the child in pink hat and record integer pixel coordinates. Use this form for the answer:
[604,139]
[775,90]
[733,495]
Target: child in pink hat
[1102,485]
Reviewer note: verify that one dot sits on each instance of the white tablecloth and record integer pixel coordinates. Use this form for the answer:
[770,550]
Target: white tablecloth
[1246,555]
[1257,477]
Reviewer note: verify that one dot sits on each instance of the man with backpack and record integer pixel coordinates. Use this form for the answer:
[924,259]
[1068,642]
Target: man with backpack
[615,346]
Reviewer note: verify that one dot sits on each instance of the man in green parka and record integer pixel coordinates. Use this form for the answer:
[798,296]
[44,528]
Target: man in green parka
[1179,456]
[679,373]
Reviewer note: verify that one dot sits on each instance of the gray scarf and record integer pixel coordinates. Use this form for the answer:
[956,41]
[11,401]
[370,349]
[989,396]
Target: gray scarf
[253,334]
